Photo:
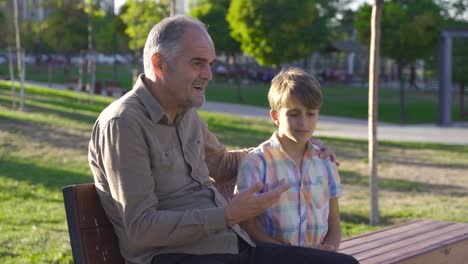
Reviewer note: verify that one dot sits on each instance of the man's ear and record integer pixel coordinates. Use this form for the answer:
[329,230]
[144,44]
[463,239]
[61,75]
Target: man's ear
[274,116]
[157,62]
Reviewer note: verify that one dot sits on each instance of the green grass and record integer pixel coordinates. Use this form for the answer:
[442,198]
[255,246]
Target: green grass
[45,148]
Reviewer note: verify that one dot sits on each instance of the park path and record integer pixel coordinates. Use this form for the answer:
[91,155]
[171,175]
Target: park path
[358,129]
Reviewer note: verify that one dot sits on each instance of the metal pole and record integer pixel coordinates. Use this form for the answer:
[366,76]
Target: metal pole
[445,80]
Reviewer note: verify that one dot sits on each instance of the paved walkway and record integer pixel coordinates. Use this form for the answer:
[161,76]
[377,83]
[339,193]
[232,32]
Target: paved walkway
[355,128]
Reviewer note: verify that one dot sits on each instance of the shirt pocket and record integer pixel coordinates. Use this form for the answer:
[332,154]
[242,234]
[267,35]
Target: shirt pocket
[315,187]
[196,152]
[169,171]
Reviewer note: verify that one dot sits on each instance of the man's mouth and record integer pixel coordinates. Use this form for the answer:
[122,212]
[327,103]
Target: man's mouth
[199,88]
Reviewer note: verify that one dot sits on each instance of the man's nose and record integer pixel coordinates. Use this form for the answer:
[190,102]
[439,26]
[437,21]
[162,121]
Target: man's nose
[207,73]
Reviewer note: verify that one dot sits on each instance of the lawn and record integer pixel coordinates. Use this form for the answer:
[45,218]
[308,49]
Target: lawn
[45,148]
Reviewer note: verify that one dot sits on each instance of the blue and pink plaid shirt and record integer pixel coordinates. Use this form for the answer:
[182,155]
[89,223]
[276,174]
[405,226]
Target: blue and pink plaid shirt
[300,217]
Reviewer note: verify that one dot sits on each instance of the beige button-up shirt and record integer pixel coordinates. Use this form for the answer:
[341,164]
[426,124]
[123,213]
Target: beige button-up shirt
[153,179]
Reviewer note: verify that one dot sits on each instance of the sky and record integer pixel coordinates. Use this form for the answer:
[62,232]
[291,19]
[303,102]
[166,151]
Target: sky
[354,5]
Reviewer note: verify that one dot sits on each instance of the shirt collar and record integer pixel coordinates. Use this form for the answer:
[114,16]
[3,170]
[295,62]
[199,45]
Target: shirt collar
[155,110]
[276,143]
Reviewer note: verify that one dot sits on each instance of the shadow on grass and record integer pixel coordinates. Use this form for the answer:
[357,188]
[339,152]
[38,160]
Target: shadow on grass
[71,103]
[43,133]
[237,136]
[52,178]
[399,185]
[353,219]
[64,113]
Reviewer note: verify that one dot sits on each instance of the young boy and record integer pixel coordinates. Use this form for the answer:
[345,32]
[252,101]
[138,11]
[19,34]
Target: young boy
[308,213]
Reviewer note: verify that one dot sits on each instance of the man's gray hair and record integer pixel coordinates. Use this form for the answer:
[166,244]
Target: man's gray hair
[165,37]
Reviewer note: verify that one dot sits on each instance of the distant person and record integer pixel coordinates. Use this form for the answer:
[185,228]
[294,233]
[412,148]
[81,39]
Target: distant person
[307,214]
[152,157]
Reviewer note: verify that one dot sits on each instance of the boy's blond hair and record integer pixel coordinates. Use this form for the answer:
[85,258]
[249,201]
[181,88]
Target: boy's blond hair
[297,83]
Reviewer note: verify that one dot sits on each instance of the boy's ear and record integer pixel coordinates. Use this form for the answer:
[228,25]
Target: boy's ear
[274,116]
[157,62]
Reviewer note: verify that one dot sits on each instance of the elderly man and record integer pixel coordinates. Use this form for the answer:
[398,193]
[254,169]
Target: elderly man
[152,157]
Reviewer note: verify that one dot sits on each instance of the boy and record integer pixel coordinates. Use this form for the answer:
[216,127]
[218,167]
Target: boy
[307,214]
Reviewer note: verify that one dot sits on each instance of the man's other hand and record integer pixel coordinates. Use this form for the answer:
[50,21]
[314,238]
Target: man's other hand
[248,204]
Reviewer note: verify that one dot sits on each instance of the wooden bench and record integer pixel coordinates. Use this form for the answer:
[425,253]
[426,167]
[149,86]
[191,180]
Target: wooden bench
[92,236]
[418,242]
[93,240]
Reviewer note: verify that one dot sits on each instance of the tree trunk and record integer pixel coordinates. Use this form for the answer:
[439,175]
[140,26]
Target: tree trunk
[12,78]
[373,107]
[172,6]
[91,68]
[413,83]
[19,55]
[80,75]
[402,92]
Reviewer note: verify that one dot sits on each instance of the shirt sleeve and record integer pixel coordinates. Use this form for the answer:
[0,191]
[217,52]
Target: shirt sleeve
[334,184]
[251,171]
[127,166]
[222,164]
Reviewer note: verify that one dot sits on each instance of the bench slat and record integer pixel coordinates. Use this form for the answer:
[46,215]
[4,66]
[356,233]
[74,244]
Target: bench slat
[391,236]
[411,242]
[416,245]
[387,231]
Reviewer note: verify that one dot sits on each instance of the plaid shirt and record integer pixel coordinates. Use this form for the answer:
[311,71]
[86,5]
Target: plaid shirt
[300,217]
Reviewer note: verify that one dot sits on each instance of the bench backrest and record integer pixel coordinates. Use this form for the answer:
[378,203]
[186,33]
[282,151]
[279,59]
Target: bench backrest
[92,236]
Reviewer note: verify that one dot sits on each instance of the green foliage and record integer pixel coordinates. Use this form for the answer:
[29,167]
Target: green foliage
[454,9]
[7,31]
[213,14]
[409,29]
[460,56]
[277,31]
[119,27]
[3,28]
[66,29]
[140,17]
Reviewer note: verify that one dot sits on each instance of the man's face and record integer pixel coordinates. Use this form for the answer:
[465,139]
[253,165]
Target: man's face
[296,123]
[185,77]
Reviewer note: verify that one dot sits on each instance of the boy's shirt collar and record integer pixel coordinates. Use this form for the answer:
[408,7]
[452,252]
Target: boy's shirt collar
[311,148]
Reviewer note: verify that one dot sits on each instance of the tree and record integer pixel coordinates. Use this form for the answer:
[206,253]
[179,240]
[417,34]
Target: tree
[410,31]
[213,13]
[65,30]
[373,107]
[460,59]
[139,17]
[122,40]
[277,31]
[3,28]
[19,54]
[456,14]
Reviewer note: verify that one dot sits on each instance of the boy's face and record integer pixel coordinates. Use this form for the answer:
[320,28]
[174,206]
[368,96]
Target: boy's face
[296,123]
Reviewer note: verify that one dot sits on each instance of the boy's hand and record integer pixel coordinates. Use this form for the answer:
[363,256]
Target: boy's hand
[327,247]
[247,204]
